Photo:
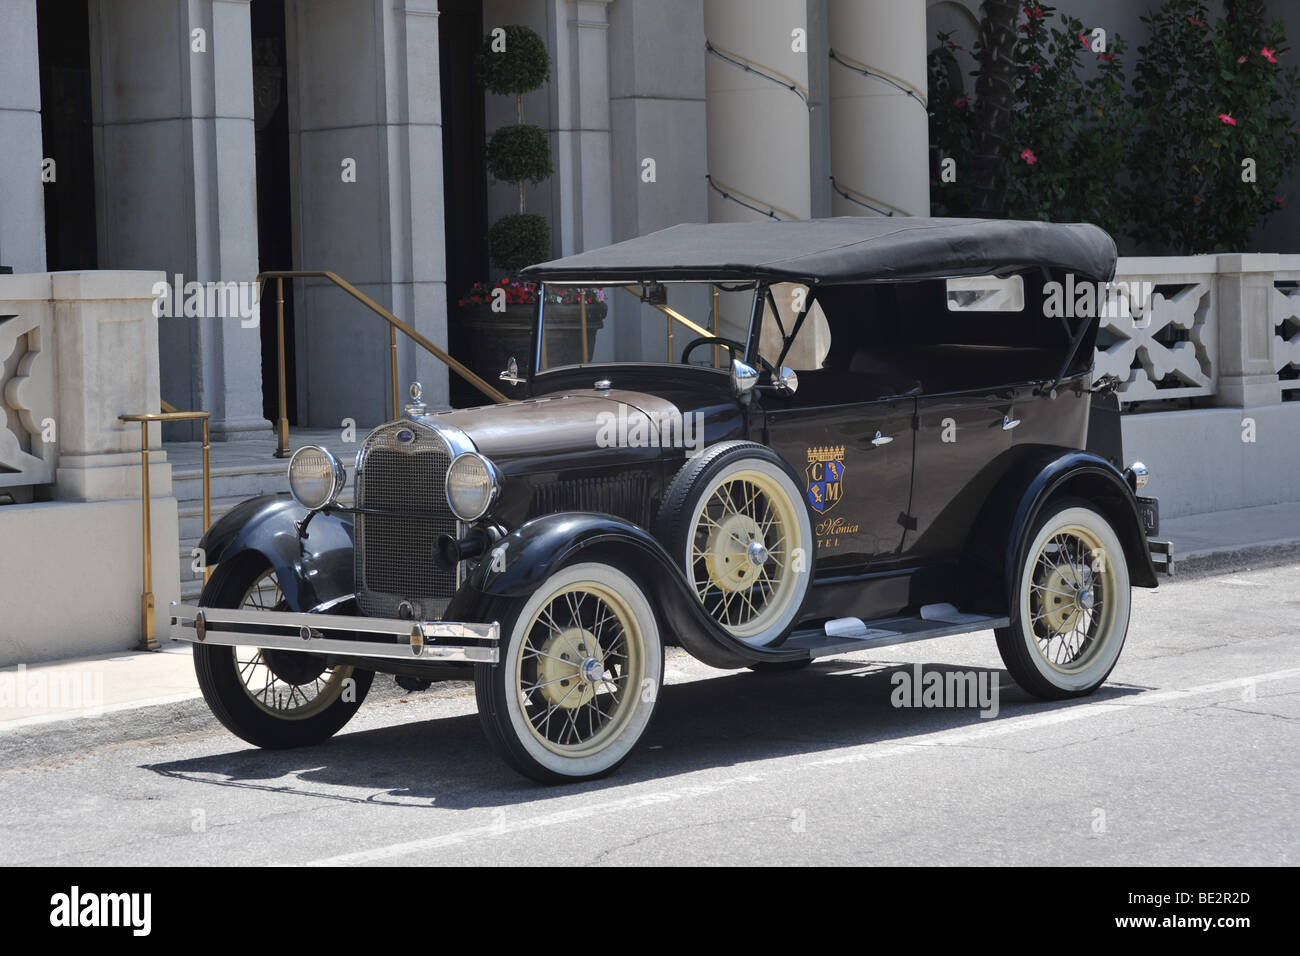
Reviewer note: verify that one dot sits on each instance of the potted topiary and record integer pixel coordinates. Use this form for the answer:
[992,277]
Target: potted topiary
[497,319]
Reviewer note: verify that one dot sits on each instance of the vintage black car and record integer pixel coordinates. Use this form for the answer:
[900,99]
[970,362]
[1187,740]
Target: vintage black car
[763,442]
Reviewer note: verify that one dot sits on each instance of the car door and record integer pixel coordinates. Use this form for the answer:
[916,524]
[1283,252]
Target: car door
[963,445]
[855,467]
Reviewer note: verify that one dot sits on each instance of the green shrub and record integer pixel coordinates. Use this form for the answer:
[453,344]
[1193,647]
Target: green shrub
[1159,164]
[519,240]
[518,154]
[523,66]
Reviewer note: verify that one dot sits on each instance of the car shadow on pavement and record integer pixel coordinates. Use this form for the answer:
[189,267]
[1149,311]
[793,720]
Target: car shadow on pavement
[726,721]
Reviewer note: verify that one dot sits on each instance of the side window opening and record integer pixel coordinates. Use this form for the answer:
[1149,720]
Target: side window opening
[811,345]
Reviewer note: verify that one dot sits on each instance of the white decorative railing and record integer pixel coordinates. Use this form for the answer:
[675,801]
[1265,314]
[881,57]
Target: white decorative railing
[1224,326]
[1286,330]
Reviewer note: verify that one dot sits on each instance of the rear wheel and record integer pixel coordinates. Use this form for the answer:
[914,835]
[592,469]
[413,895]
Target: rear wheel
[580,671]
[271,698]
[1071,609]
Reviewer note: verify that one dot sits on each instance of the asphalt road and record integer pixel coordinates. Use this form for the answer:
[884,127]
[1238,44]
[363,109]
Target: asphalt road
[1189,755]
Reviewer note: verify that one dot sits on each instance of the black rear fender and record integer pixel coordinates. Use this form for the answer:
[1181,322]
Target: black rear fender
[996,545]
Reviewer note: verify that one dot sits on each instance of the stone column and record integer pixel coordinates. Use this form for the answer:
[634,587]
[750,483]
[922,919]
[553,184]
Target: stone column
[22,204]
[1246,368]
[579,87]
[878,123]
[175,185]
[366,147]
[658,130]
[759,148]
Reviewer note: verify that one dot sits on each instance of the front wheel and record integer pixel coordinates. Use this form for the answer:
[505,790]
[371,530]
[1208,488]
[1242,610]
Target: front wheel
[273,699]
[580,669]
[1071,610]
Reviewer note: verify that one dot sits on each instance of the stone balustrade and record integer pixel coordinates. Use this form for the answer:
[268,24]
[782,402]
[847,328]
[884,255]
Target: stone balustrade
[1226,327]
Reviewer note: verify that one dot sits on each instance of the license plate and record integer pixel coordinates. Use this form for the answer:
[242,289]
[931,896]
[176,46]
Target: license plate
[1149,509]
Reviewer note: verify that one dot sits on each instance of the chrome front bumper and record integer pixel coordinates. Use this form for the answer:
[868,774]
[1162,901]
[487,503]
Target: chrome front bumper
[337,634]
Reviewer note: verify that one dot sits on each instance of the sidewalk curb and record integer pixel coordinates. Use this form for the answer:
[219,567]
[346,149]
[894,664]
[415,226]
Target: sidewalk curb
[1231,559]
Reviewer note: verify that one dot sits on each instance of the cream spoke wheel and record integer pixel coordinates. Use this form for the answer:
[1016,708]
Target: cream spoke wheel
[1072,604]
[580,662]
[271,698]
[288,685]
[1069,597]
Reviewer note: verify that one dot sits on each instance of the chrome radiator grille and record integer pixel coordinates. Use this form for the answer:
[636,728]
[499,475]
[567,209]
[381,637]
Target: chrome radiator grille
[394,554]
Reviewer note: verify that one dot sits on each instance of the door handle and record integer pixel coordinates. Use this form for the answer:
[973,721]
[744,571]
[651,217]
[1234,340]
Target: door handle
[1009,423]
[881,439]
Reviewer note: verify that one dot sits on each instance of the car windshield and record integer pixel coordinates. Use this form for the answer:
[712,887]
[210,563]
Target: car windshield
[641,322]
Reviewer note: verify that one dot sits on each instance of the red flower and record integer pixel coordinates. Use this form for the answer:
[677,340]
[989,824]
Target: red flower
[1083,40]
[960,101]
[1241,59]
[954,46]
[1267,54]
[1028,156]
[1227,119]
[1195,22]
[1107,57]
[1034,67]
[1034,13]
[1281,202]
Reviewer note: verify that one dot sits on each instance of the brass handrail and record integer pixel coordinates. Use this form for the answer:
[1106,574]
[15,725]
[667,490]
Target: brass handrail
[148,640]
[394,325]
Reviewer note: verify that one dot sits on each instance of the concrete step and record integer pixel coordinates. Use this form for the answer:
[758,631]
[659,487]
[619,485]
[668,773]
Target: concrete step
[238,481]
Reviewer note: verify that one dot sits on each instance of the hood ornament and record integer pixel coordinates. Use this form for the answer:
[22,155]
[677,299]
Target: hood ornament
[416,407]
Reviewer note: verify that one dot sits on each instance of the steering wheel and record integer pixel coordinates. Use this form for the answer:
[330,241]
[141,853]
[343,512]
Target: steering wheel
[731,345]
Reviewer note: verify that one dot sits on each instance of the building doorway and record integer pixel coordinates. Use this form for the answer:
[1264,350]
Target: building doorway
[67,142]
[274,212]
[460,37]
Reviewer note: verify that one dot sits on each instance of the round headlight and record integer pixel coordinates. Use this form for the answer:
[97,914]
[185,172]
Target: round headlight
[315,477]
[471,486]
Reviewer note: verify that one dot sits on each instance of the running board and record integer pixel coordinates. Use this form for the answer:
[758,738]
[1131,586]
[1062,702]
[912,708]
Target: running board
[845,635]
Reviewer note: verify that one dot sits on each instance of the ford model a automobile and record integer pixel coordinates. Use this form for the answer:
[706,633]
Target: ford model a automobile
[762,442]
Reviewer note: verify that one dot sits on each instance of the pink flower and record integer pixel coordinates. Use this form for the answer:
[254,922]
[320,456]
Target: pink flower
[1106,57]
[1241,59]
[1034,13]
[1034,67]
[1267,54]
[1227,119]
[1195,22]
[960,102]
[1028,156]
[1281,202]
[1083,40]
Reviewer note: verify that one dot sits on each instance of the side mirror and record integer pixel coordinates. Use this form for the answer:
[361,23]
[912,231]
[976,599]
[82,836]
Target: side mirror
[787,381]
[511,374]
[743,378]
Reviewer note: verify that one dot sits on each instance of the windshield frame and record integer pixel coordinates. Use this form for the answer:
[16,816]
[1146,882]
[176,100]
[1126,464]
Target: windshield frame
[673,318]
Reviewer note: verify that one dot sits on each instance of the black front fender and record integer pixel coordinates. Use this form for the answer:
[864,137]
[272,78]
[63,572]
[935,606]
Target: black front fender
[519,563]
[312,571]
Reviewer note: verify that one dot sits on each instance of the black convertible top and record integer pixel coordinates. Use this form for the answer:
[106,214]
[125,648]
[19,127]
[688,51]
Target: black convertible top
[842,250]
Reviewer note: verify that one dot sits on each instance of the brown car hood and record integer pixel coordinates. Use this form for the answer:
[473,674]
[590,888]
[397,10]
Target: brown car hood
[561,425]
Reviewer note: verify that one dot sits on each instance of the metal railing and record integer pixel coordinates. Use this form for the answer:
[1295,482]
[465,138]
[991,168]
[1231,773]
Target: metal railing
[148,639]
[394,326]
